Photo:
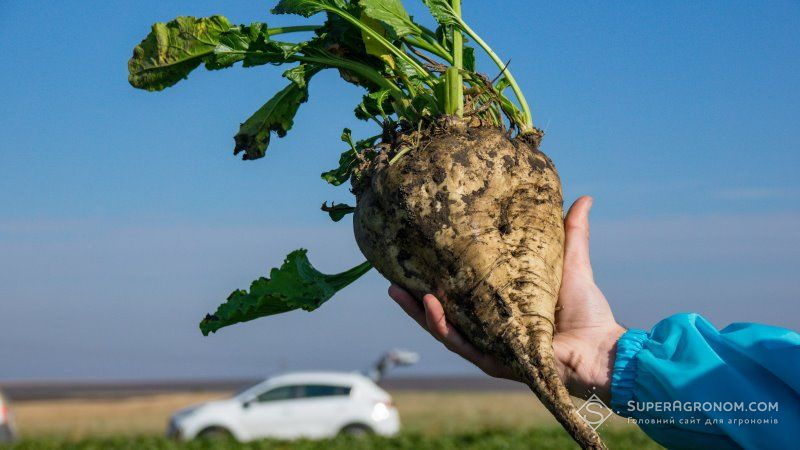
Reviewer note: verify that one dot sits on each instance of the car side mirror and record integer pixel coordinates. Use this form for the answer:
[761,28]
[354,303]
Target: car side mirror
[247,404]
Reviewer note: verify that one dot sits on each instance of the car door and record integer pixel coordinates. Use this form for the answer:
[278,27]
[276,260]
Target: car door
[319,409]
[268,415]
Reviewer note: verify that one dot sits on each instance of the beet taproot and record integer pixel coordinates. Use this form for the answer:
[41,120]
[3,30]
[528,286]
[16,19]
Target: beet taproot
[477,219]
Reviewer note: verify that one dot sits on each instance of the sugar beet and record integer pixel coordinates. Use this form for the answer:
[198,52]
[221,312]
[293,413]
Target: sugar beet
[476,218]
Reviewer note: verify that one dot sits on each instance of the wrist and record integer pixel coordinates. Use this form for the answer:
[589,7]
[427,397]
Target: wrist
[603,367]
[586,360]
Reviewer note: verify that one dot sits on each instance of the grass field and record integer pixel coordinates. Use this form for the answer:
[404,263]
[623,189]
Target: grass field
[545,439]
[431,420]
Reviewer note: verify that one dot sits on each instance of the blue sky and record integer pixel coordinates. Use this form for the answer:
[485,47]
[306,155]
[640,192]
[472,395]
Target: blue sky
[124,216]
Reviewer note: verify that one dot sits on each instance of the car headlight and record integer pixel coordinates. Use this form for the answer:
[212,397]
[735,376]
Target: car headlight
[380,411]
[173,432]
[183,413]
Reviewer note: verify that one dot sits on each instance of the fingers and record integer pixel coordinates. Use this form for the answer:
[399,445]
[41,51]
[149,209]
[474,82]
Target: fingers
[410,305]
[430,316]
[434,317]
[576,248]
[450,337]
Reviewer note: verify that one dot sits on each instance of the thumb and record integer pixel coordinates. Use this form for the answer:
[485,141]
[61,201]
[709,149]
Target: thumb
[576,246]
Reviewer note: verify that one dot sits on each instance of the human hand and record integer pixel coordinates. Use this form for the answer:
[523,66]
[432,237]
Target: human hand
[586,332]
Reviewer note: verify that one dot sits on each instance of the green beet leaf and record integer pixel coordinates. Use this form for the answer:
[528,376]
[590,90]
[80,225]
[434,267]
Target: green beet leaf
[296,285]
[174,49]
[412,76]
[469,59]
[342,173]
[337,211]
[234,45]
[277,115]
[347,161]
[392,14]
[307,8]
[375,104]
[371,45]
[300,74]
[442,11]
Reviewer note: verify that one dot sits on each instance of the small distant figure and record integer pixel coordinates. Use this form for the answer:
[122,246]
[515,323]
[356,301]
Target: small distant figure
[390,359]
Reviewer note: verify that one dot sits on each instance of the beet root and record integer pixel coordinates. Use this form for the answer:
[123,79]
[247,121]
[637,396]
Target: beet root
[476,218]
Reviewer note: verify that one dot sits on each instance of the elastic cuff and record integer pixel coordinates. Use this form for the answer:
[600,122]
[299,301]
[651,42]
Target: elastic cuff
[624,376]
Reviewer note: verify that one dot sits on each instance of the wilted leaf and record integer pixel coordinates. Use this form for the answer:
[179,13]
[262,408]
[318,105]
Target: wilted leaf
[174,49]
[337,211]
[234,44]
[271,52]
[300,74]
[276,115]
[342,173]
[347,161]
[296,285]
[347,137]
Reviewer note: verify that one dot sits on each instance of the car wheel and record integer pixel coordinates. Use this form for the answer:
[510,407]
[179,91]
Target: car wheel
[215,433]
[6,435]
[356,430]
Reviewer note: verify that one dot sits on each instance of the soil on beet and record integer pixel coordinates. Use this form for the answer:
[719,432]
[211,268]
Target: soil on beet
[476,218]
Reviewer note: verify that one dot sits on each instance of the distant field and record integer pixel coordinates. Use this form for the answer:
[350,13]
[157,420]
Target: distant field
[80,418]
[446,420]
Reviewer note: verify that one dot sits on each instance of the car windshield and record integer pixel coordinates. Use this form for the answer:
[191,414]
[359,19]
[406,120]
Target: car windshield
[279,393]
[245,390]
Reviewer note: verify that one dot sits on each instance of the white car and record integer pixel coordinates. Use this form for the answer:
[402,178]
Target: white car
[297,405]
[6,422]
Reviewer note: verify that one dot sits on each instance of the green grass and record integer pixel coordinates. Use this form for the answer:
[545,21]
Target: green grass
[542,438]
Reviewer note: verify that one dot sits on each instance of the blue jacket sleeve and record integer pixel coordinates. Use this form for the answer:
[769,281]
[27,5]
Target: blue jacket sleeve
[690,386]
